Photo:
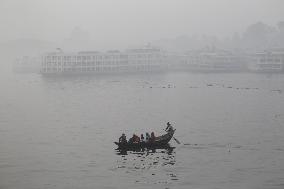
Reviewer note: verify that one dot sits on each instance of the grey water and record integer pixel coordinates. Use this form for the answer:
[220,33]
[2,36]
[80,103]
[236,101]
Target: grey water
[58,132]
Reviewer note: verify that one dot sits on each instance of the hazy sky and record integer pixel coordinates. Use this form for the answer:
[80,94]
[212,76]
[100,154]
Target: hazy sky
[123,22]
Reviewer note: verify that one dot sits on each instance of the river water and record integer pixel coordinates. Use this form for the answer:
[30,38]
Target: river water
[58,132]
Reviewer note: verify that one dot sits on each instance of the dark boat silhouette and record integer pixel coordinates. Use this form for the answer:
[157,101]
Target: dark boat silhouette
[159,142]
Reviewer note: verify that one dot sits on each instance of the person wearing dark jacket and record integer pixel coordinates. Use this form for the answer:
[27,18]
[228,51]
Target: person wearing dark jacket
[142,138]
[134,139]
[169,127]
[122,139]
[152,138]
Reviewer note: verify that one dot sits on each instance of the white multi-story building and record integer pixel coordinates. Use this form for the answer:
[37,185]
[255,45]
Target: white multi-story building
[267,61]
[145,59]
[213,61]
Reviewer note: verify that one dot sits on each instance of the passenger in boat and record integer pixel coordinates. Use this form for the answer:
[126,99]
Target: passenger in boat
[130,141]
[134,139]
[152,138]
[169,127]
[147,137]
[142,138]
[122,138]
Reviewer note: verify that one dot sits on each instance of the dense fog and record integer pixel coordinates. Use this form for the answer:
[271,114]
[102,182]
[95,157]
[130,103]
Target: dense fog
[31,27]
[83,81]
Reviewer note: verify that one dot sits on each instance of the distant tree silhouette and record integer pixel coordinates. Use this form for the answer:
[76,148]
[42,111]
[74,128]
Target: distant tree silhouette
[258,35]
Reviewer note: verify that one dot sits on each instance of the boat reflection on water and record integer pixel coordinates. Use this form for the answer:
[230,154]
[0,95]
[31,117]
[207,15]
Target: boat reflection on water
[148,165]
[161,149]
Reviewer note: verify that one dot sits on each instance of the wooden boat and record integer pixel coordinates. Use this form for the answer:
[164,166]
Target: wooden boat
[159,142]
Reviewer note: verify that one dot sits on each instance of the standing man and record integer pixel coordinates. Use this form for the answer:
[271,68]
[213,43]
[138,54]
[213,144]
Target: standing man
[169,127]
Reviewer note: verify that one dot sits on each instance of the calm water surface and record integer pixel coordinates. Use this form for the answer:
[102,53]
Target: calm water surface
[58,133]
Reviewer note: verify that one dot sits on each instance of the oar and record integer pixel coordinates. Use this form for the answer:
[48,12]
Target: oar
[177,140]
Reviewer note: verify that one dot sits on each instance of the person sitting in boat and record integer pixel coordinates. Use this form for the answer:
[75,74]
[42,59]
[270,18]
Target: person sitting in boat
[169,127]
[134,139]
[122,138]
[152,138]
[147,137]
[142,138]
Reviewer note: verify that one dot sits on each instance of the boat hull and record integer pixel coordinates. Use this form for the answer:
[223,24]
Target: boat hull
[160,142]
